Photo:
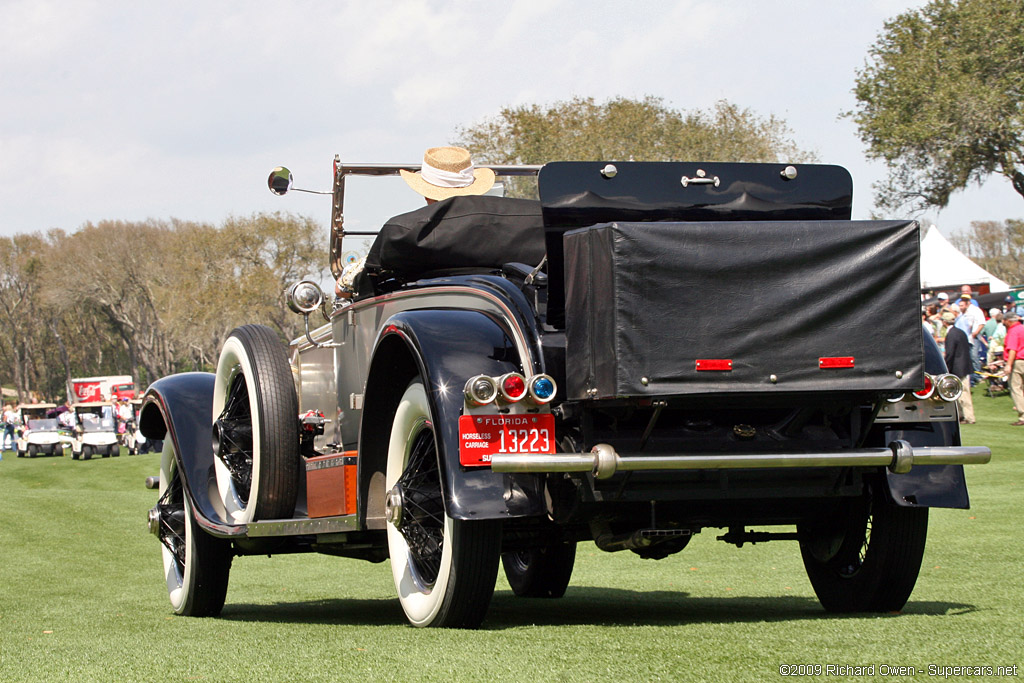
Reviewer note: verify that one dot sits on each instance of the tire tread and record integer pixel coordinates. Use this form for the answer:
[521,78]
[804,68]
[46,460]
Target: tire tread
[891,564]
[278,410]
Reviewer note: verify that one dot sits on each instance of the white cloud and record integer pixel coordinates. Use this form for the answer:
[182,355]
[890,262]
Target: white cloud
[108,105]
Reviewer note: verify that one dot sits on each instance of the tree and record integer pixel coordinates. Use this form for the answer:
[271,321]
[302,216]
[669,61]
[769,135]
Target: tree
[148,298]
[123,263]
[622,129]
[998,247]
[235,274]
[21,266]
[940,100]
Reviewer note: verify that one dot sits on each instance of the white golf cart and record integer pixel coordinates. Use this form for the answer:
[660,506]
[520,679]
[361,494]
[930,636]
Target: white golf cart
[134,441]
[40,435]
[95,431]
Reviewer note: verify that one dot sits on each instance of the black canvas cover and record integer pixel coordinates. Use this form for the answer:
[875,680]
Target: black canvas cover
[576,194]
[461,232]
[695,308]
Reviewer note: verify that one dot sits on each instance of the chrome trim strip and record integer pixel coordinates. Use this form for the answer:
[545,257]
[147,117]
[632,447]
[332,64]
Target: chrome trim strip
[299,527]
[604,461]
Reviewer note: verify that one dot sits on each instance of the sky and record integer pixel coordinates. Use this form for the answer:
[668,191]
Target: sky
[126,110]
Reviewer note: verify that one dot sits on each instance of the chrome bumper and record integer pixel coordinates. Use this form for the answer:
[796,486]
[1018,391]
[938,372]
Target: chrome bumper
[604,462]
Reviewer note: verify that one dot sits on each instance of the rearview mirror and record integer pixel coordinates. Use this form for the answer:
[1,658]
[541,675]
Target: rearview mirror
[280,180]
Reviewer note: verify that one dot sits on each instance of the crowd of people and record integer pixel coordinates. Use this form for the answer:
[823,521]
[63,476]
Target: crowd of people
[979,347]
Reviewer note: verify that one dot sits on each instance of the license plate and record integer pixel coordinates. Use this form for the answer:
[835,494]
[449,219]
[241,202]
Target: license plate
[481,436]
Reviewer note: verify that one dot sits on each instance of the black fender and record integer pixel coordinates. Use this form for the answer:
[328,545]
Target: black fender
[942,486]
[938,486]
[180,407]
[445,347]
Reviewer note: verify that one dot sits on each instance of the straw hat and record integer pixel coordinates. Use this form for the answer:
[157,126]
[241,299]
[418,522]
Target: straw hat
[449,172]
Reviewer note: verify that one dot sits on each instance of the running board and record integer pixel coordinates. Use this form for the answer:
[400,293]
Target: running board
[301,527]
[603,461]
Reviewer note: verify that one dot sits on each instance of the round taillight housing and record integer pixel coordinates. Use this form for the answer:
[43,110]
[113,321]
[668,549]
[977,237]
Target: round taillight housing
[481,390]
[929,388]
[512,387]
[949,387]
[895,399]
[542,389]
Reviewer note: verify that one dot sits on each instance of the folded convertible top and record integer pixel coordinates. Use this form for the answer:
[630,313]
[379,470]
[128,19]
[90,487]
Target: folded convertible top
[461,232]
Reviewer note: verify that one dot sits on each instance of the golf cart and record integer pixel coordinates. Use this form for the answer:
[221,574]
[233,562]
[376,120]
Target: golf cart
[40,435]
[95,431]
[132,438]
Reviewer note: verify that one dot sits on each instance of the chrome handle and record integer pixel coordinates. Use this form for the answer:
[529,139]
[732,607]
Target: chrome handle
[700,179]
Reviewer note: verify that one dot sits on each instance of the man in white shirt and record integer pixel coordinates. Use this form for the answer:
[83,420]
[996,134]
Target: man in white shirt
[971,321]
[11,419]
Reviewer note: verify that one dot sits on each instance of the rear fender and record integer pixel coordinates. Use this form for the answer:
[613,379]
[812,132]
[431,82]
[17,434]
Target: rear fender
[938,486]
[180,408]
[424,342]
[941,486]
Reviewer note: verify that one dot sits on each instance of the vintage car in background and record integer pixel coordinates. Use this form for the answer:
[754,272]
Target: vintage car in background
[649,351]
[40,435]
[95,431]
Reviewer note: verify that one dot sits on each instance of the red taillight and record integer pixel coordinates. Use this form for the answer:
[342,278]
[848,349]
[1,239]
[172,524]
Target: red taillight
[929,388]
[512,387]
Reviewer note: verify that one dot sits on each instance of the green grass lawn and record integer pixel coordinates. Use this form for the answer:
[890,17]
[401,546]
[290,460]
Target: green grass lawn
[82,598]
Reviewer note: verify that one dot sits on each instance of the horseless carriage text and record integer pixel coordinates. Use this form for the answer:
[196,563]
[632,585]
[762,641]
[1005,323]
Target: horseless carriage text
[513,377]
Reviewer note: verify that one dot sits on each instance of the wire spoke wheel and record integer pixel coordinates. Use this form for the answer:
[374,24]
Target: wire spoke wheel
[444,569]
[423,508]
[196,565]
[235,438]
[255,427]
[866,555]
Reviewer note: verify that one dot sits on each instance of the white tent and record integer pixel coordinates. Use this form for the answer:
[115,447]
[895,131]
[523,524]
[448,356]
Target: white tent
[943,266]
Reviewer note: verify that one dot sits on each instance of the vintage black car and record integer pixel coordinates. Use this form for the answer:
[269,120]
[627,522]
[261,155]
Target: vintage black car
[648,351]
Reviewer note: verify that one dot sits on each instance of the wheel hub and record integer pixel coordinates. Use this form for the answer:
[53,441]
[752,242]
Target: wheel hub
[154,521]
[393,505]
[231,437]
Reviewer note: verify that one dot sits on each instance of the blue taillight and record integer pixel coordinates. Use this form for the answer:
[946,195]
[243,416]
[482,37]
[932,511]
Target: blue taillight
[542,388]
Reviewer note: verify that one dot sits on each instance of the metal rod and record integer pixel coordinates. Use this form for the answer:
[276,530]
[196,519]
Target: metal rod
[393,169]
[605,461]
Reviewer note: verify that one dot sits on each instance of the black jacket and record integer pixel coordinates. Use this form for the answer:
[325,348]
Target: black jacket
[958,352]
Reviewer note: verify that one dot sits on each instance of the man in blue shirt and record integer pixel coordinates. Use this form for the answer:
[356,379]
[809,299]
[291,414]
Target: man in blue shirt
[1010,304]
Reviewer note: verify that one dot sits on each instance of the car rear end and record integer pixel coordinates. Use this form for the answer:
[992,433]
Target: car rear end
[725,350]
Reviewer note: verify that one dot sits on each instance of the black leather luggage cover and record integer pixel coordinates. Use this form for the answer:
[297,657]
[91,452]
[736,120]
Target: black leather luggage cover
[664,308]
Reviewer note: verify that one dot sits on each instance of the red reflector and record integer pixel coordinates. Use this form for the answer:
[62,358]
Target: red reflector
[836,362]
[714,364]
[514,386]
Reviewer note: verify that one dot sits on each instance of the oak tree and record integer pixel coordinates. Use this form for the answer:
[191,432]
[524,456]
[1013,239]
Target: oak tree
[622,129]
[941,100]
